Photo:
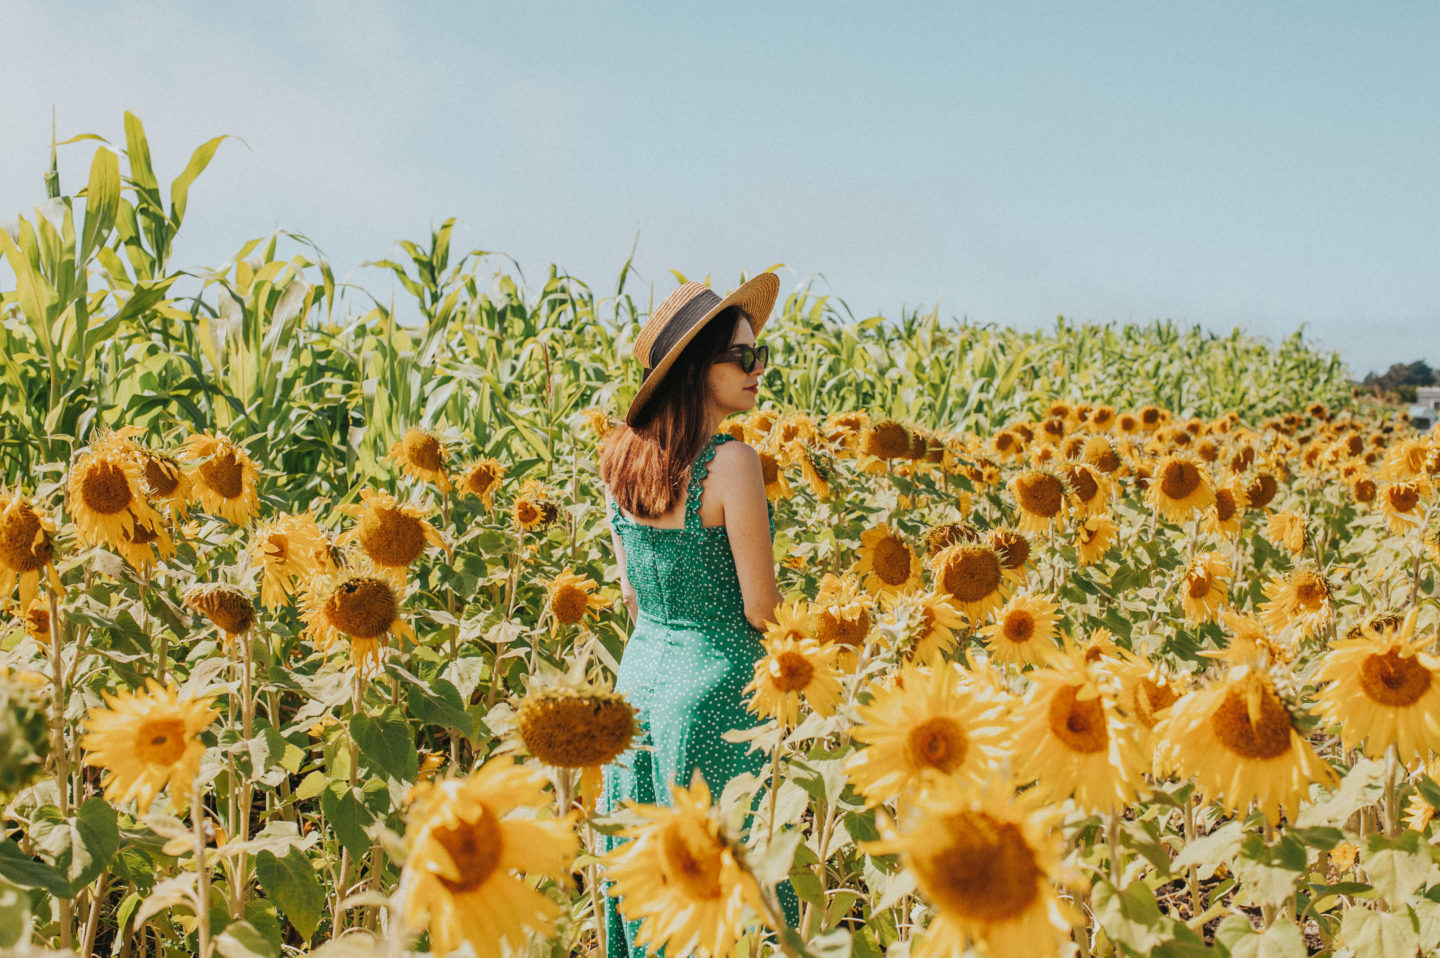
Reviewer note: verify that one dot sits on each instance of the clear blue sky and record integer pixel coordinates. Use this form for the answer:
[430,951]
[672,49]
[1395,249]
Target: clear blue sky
[1256,164]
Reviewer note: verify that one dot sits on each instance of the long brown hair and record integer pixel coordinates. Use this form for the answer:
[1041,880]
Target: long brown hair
[644,466]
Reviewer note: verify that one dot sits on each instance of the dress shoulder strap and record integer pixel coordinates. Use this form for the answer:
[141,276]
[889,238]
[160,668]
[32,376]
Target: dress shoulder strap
[698,472]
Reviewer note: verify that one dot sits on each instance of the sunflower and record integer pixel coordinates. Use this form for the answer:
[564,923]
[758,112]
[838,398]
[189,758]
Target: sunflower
[1261,489]
[1301,598]
[1127,423]
[1204,585]
[1363,489]
[1024,631]
[229,609]
[423,456]
[145,740]
[482,478]
[1286,530]
[926,726]
[845,430]
[931,622]
[1007,444]
[1401,501]
[1041,496]
[840,613]
[1146,694]
[789,669]
[225,482]
[816,465]
[1090,489]
[572,596]
[777,487]
[1384,689]
[792,621]
[974,577]
[1249,642]
[145,543]
[1099,453]
[575,724]
[1182,486]
[165,481]
[288,549]
[392,534]
[103,495]
[1405,460]
[363,607]
[759,423]
[1076,741]
[885,439]
[1014,550]
[682,878]
[458,880]
[988,864]
[595,419]
[1093,538]
[947,534]
[27,549]
[534,507]
[36,619]
[886,562]
[1224,519]
[1238,740]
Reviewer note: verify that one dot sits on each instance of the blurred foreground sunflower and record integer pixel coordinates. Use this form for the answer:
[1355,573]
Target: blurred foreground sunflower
[145,740]
[470,837]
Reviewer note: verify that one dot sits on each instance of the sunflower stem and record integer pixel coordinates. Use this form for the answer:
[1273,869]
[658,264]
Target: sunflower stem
[202,874]
[1192,882]
[1112,846]
[775,778]
[1392,805]
[58,747]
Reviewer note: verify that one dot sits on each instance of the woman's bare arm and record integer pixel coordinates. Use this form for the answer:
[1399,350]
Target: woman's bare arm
[627,591]
[747,525]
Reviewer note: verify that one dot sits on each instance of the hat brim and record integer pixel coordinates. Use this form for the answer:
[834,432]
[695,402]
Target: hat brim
[757,297]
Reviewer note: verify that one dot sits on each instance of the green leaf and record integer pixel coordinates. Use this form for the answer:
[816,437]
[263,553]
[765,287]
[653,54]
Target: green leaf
[1221,845]
[1398,869]
[291,883]
[1281,940]
[386,741]
[1380,934]
[311,785]
[14,916]
[240,939]
[441,705]
[28,873]
[102,201]
[180,188]
[80,847]
[1131,917]
[352,810]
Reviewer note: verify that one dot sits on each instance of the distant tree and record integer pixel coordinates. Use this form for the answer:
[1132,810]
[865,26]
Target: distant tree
[1402,379]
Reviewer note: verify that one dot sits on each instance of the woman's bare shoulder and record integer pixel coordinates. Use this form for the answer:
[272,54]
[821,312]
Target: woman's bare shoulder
[735,455]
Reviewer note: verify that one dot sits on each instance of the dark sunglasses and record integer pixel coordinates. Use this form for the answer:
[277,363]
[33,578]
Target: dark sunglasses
[747,357]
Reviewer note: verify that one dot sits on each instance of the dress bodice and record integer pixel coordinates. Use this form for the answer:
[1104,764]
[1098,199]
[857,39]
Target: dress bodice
[684,575]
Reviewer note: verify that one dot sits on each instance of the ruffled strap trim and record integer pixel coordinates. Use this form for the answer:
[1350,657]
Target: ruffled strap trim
[698,472]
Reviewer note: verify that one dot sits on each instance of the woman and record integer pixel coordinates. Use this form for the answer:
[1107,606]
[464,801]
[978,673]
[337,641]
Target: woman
[692,530]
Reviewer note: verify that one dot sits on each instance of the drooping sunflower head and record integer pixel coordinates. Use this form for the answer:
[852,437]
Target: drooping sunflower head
[1261,489]
[1301,598]
[1093,538]
[1041,496]
[1089,489]
[840,613]
[482,478]
[947,534]
[1013,549]
[575,725]
[423,455]
[226,480]
[1100,453]
[1401,501]
[887,562]
[288,549]
[229,609]
[886,439]
[927,623]
[1181,486]
[26,548]
[973,575]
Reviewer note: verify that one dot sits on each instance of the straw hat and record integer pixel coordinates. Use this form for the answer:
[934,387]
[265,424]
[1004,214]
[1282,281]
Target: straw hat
[681,316]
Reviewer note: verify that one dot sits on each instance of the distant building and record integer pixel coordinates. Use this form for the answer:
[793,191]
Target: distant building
[1426,410]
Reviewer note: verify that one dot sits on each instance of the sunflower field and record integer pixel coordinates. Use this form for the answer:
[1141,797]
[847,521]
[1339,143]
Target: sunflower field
[1097,640]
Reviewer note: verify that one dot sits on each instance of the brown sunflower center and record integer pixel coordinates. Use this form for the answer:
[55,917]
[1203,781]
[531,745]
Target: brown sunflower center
[474,848]
[971,574]
[391,537]
[277,547]
[161,476]
[1261,490]
[1394,679]
[1224,505]
[887,440]
[1197,583]
[105,488]
[569,603]
[1310,590]
[939,743]
[526,512]
[1180,479]
[791,672]
[1150,415]
[229,609]
[1019,626]
[836,627]
[481,479]
[1404,498]
[362,607]
[223,473]
[769,468]
[979,867]
[891,561]
[23,545]
[1083,483]
[692,858]
[1078,723]
[1152,698]
[424,451]
[1266,737]
[1039,493]
[1364,490]
[160,741]
[577,731]
[1013,547]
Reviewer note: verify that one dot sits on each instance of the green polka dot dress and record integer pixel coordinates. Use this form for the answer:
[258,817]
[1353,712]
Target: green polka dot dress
[691,653]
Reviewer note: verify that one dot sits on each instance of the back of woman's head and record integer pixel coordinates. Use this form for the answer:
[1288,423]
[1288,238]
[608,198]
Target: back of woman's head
[644,465]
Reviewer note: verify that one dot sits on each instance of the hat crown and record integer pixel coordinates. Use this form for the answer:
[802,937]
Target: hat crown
[667,312]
